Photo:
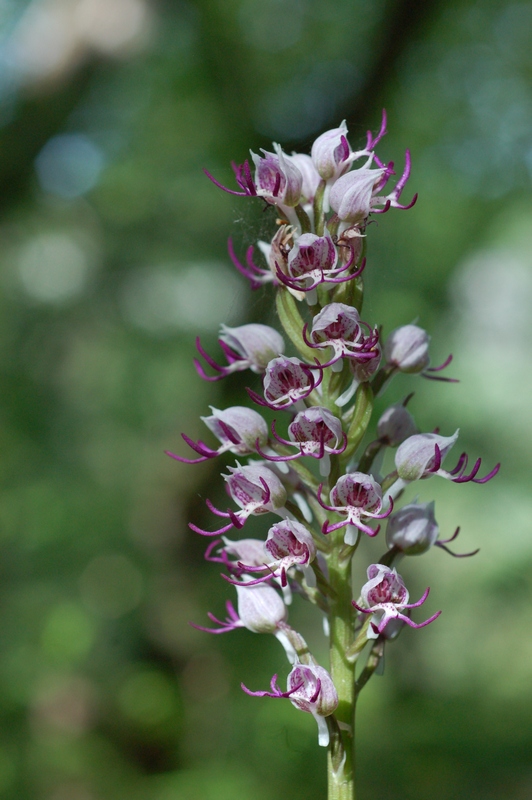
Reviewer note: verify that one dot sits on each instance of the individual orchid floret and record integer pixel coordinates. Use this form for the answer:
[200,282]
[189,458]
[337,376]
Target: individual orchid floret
[421,456]
[237,428]
[413,529]
[355,495]
[386,597]
[256,489]
[277,179]
[330,153]
[314,260]
[352,196]
[260,610]
[407,350]
[338,326]
[288,544]
[357,194]
[311,176]
[286,381]
[250,346]
[310,688]
[315,431]
[395,425]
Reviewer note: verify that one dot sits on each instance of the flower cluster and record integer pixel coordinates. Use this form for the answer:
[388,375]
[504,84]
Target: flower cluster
[314,473]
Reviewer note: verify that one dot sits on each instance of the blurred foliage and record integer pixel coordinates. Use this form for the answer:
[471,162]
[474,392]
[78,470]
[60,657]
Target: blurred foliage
[113,259]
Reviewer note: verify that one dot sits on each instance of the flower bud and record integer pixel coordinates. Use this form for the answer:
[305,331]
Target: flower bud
[407,349]
[413,529]
[329,151]
[395,425]
[260,608]
[238,428]
[415,457]
[254,343]
[351,195]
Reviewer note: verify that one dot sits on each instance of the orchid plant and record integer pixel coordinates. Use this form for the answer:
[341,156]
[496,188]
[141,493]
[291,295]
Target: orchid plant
[321,481]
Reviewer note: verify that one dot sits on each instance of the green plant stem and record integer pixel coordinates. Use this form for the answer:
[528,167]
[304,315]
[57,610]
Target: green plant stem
[340,762]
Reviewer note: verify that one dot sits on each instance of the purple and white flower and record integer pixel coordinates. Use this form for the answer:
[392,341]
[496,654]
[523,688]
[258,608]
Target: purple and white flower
[421,456]
[250,346]
[237,428]
[310,688]
[286,381]
[355,495]
[277,179]
[385,596]
[338,326]
[407,350]
[260,610]
[315,431]
[256,489]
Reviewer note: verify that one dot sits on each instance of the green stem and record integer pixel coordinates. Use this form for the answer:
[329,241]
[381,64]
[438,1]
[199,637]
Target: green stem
[340,762]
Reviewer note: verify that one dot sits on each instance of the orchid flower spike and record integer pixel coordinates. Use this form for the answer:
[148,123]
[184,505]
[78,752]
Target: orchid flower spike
[385,596]
[310,688]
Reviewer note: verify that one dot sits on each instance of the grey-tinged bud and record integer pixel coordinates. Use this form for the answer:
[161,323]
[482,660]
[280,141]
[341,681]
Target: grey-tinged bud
[238,428]
[407,349]
[256,344]
[395,425]
[260,608]
[416,456]
[413,529]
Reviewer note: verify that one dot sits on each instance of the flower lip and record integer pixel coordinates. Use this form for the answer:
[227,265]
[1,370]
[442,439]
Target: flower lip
[286,381]
[356,495]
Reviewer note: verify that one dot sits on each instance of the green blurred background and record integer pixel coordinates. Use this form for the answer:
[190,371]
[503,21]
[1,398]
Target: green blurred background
[113,258]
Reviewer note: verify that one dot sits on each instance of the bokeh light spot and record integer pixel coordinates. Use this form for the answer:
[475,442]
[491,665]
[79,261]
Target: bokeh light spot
[69,165]
[53,267]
